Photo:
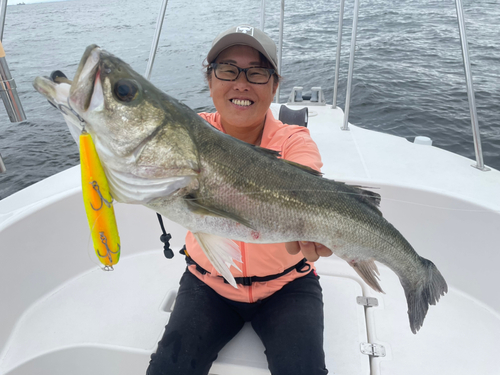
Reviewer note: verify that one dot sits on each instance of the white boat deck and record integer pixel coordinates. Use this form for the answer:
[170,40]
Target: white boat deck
[122,314]
[61,314]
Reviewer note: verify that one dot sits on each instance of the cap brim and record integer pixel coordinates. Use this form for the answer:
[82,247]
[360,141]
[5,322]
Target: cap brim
[235,39]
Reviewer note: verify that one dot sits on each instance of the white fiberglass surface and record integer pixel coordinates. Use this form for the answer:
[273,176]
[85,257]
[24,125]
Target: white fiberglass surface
[38,194]
[453,219]
[459,237]
[126,310]
[359,154]
[110,323]
[459,335]
[118,310]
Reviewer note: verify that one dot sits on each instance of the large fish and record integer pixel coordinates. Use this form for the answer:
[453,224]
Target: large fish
[159,153]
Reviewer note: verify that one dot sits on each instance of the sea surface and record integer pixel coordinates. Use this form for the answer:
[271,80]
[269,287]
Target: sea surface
[408,77]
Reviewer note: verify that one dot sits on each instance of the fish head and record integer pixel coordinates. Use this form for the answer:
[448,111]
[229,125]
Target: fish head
[114,103]
[141,134]
[119,105]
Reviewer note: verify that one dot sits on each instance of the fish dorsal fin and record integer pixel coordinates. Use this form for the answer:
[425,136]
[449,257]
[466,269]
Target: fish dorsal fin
[203,209]
[277,154]
[221,252]
[370,198]
[305,168]
[267,151]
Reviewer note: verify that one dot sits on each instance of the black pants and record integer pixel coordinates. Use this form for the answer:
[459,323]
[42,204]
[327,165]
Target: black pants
[289,323]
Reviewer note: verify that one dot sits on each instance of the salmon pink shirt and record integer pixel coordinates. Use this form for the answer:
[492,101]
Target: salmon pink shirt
[295,144]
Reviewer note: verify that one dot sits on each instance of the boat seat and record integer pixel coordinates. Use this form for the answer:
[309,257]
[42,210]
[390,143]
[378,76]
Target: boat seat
[294,116]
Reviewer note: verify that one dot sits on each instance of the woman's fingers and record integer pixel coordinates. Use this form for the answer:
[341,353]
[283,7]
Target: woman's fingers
[311,250]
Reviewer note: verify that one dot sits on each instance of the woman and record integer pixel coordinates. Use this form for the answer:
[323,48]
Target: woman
[278,290]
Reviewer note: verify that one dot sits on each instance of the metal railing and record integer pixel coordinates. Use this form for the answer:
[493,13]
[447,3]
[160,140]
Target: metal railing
[3,11]
[337,58]
[280,45]
[262,14]
[8,88]
[156,39]
[468,75]
[470,87]
[345,126]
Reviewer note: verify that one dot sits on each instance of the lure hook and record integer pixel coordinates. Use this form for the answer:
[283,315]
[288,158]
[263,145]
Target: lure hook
[95,186]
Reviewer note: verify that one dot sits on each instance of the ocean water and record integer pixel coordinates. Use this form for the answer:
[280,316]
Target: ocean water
[408,77]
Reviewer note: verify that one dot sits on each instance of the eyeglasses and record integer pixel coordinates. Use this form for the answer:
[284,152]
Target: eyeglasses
[230,72]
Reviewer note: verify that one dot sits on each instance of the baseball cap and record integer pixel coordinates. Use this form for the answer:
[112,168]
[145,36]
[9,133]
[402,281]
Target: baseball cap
[244,35]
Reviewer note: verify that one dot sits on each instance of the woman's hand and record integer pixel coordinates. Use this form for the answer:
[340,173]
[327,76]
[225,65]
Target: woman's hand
[311,250]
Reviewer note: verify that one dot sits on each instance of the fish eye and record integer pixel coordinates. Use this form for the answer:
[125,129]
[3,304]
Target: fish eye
[126,90]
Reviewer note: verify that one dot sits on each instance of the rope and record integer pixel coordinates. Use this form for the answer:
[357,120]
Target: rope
[165,238]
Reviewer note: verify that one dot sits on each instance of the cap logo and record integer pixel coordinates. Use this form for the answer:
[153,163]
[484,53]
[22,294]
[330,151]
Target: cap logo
[245,30]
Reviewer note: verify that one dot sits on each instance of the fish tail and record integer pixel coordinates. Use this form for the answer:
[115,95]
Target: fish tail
[426,291]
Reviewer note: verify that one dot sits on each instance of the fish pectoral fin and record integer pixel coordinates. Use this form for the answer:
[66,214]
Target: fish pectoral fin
[222,252]
[368,271]
[199,208]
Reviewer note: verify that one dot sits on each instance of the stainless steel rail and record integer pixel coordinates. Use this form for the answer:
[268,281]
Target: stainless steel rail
[467,68]
[470,87]
[280,46]
[3,11]
[2,165]
[8,91]
[345,126]
[156,39]
[337,59]
[8,88]
[262,14]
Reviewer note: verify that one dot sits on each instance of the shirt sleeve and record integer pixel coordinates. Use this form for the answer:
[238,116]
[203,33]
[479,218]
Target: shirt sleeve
[301,149]
[206,116]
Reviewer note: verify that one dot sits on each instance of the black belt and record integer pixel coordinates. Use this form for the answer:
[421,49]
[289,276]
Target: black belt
[247,281]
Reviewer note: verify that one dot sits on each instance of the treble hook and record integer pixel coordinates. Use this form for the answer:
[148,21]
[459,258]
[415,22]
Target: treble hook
[95,186]
[108,253]
[68,110]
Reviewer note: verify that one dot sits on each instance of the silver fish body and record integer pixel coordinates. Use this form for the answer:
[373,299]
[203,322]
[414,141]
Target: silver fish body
[159,153]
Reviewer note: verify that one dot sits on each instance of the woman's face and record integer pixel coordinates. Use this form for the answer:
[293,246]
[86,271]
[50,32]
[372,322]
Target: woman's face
[241,104]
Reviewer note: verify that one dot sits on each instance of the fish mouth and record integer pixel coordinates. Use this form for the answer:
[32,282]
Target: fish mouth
[75,98]
[87,81]
[56,89]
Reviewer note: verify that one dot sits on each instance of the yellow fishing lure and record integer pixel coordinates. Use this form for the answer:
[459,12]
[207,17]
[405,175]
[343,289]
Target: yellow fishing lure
[98,204]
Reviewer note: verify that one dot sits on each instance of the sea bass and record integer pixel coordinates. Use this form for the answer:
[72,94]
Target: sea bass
[159,153]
